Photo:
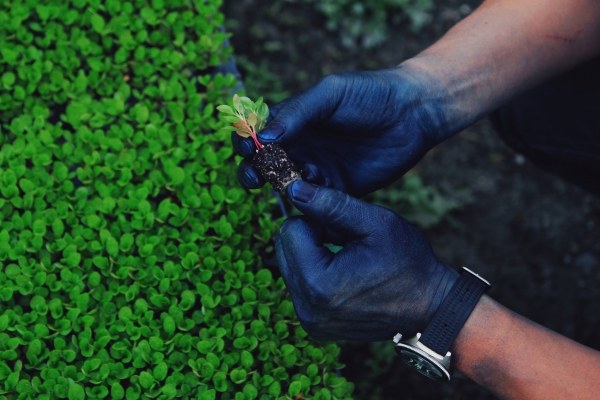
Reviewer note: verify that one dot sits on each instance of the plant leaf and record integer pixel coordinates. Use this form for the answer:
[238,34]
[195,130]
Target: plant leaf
[243,133]
[252,119]
[237,103]
[225,109]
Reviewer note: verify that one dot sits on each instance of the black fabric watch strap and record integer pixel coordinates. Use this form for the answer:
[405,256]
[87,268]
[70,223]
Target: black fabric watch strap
[454,311]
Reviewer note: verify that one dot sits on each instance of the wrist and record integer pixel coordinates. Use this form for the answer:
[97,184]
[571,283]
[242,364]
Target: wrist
[438,104]
[428,352]
[438,293]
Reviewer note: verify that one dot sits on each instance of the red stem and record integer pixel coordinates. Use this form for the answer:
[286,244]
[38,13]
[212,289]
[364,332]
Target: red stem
[253,134]
[257,143]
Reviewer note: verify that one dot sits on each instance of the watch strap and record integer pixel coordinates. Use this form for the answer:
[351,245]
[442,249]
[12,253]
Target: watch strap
[454,311]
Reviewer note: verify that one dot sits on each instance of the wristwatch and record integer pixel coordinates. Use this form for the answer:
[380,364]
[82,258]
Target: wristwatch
[428,352]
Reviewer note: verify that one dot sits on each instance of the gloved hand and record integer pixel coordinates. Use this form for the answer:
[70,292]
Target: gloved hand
[356,132]
[384,281]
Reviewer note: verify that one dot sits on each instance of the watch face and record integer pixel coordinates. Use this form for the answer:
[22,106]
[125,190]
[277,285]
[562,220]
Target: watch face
[422,365]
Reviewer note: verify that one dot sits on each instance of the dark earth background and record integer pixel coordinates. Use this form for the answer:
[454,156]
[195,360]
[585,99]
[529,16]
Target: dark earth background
[533,235]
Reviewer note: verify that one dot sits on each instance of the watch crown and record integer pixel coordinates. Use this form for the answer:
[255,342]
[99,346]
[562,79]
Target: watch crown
[397,338]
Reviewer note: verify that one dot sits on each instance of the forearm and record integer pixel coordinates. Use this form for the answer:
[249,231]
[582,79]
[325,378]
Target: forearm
[516,358]
[504,48]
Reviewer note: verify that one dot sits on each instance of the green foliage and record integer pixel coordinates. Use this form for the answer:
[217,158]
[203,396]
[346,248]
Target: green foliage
[366,21]
[246,117]
[260,80]
[128,253]
[422,205]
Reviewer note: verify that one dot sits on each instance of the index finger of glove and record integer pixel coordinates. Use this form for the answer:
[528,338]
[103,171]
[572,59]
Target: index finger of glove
[302,110]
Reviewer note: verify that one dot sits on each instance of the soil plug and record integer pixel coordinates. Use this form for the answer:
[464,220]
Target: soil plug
[248,118]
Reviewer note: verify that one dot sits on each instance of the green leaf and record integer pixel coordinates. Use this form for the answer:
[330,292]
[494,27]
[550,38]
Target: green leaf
[238,375]
[220,381]
[207,370]
[217,193]
[95,64]
[169,325]
[126,242]
[208,395]
[237,103]
[8,79]
[286,349]
[146,380]
[112,247]
[160,371]
[93,221]
[156,343]
[177,176]
[275,389]
[9,55]
[121,55]
[39,228]
[116,391]
[263,112]
[231,119]
[12,380]
[9,177]
[148,15]
[177,115]
[97,23]
[26,185]
[248,294]
[141,113]
[169,391]
[250,391]
[247,359]
[73,259]
[225,109]
[60,171]
[76,392]
[252,119]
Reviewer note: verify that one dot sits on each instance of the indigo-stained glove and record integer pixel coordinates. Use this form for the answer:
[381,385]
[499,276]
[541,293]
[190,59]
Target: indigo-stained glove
[357,131]
[384,281]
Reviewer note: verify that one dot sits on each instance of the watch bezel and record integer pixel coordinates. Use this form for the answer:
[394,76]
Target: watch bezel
[414,346]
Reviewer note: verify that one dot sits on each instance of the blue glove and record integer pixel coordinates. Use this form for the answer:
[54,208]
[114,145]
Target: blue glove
[384,281]
[356,132]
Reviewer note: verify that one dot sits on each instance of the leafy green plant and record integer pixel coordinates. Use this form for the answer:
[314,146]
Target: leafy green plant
[247,117]
[367,21]
[422,205]
[259,79]
[129,262]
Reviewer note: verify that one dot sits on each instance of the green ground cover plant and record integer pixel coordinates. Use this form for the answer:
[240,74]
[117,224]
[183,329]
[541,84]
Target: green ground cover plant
[365,22]
[129,255]
[422,205]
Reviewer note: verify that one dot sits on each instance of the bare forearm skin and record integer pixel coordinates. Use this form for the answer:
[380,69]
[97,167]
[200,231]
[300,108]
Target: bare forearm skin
[516,358]
[504,48]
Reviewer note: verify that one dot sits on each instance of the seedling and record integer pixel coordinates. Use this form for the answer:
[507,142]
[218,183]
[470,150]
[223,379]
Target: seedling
[247,119]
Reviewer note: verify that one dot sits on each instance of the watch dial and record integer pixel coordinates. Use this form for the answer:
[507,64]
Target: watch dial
[422,365]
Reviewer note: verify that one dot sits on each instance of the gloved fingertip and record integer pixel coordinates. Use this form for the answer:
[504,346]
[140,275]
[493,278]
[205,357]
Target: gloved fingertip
[302,191]
[247,148]
[248,179]
[311,173]
[272,132]
[243,147]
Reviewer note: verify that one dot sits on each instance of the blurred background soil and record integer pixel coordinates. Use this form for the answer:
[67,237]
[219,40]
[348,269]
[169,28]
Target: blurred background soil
[533,235]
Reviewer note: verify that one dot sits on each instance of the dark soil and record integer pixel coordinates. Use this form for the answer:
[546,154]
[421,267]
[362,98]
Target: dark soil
[275,166]
[533,235]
